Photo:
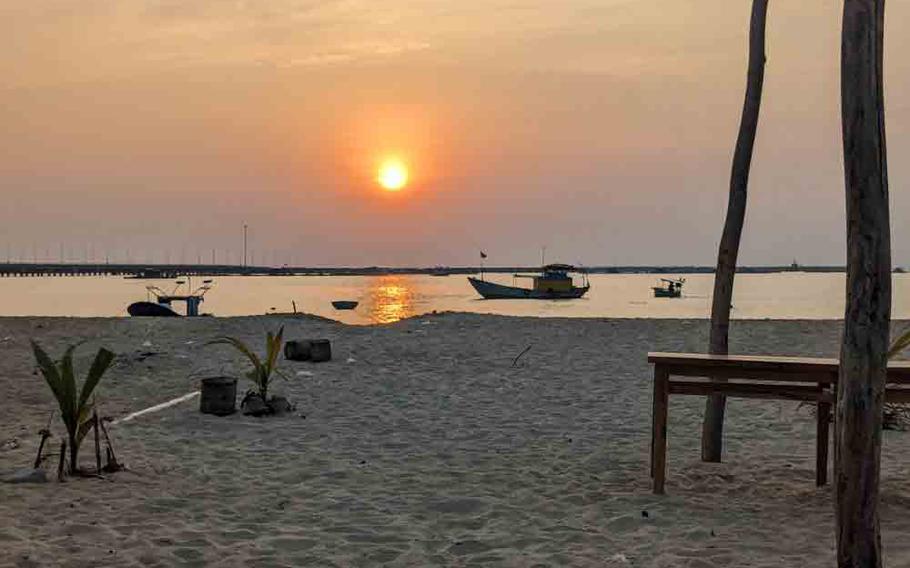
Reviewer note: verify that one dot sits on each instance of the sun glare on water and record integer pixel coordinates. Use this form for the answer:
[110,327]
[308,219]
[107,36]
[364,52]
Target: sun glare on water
[393,175]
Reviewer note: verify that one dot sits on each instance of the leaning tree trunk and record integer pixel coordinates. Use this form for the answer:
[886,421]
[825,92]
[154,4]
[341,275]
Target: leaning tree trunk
[867,316]
[713,425]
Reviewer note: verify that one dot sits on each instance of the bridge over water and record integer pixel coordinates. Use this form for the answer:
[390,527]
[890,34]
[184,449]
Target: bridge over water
[134,270]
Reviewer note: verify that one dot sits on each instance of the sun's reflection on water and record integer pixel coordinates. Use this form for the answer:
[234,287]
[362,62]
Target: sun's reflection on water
[391,298]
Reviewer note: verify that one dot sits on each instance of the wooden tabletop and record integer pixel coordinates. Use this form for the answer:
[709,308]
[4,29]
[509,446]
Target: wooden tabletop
[898,371]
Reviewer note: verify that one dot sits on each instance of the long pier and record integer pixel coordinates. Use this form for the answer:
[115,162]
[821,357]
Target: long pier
[132,270]
[169,271]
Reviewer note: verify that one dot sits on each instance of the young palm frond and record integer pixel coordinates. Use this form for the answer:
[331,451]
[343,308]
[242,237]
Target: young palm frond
[75,405]
[896,416]
[899,344]
[263,369]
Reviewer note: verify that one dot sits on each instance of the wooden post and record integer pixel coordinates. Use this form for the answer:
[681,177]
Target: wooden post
[863,362]
[45,434]
[655,397]
[659,428]
[111,457]
[823,419]
[62,463]
[728,251]
[97,442]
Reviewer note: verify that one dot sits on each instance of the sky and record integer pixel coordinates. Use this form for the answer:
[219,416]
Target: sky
[603,130]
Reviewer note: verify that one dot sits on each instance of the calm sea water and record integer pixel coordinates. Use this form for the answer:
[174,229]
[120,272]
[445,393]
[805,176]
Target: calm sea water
[385,299]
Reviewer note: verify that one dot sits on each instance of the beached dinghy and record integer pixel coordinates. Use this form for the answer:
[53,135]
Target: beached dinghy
[151,309]
[553,283]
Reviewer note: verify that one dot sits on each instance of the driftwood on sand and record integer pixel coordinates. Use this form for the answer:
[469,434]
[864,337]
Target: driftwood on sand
[517,357]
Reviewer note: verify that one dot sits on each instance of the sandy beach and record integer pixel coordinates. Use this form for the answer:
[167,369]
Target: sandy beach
[422,444]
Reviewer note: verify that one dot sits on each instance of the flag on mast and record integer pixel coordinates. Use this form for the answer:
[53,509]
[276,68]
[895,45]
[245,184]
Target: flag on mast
[483,254]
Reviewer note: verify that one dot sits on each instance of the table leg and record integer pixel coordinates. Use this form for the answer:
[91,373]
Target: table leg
[659,428]
[823,420]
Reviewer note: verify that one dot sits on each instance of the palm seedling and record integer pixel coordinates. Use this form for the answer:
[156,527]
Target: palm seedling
[899,344]
[263,369]
[75,406]
[896,415]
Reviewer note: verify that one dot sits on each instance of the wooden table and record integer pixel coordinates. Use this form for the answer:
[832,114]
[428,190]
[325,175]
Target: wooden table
[812,380]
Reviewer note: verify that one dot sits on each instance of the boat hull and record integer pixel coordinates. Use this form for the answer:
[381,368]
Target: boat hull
[344,304]
[664,293]
[150,309]
[493,291]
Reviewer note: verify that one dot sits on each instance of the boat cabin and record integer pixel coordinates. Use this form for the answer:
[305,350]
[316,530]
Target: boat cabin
[552,278]
[162,306]
[192,302]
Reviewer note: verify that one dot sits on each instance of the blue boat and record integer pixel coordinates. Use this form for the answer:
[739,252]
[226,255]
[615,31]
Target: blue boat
[553,283]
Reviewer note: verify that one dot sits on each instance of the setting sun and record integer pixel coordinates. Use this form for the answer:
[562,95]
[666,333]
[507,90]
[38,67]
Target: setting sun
[393,175]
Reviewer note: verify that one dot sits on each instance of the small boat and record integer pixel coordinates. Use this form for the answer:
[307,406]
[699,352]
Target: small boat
[440,271]
[344,304]
[151,309]
[161,307]
[671,288]
[553,283]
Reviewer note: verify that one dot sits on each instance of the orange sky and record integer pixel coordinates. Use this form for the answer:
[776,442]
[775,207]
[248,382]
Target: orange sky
[601,129]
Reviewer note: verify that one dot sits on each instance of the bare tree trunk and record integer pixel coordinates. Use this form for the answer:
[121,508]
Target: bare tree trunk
[867,317]
[713,425]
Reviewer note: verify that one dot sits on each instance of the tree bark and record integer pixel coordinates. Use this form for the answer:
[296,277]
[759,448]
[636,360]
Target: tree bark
[713,425]
[867,317]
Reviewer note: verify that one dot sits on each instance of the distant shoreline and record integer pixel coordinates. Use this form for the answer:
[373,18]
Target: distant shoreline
[173,270]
